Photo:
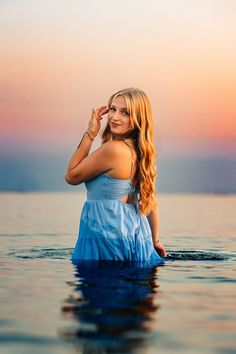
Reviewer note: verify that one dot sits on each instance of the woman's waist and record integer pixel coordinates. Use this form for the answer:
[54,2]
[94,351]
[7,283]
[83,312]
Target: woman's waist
[112,207]
[108,201]
[107,195]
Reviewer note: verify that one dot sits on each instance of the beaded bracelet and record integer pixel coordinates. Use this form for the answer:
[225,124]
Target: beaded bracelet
[155,242]
[90,135]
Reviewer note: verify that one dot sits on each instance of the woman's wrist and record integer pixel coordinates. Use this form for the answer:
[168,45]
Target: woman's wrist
[92,137]
[155,242]
[89,134]
[90,129]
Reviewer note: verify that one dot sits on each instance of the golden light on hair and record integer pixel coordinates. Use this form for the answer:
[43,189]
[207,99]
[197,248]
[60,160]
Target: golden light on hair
[142,131]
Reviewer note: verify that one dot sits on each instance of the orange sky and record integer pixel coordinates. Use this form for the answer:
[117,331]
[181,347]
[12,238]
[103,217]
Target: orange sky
[62,59]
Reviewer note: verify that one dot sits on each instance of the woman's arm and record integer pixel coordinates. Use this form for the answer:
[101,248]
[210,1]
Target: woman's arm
[101,160]
[81,152]
[75,170]
[153,222]
[85,145]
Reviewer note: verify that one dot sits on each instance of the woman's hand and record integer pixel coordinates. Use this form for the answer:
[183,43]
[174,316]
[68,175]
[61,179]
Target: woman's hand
[160,249]
[94,123]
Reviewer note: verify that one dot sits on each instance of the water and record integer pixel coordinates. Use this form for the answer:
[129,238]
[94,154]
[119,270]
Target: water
[50,305]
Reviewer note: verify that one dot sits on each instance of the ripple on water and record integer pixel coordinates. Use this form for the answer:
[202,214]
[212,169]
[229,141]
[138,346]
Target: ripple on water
[35,253]
[198,255]
[65,253]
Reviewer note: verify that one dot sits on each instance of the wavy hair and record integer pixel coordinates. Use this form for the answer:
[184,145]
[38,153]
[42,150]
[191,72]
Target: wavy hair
[142,131]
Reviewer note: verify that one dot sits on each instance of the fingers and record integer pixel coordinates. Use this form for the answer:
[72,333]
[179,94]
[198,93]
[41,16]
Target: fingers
[101,110]
[161,251]
[105,110]
[163,254]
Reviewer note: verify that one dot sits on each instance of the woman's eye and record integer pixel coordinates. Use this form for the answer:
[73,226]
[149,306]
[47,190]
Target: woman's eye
[112,109]
[126,113]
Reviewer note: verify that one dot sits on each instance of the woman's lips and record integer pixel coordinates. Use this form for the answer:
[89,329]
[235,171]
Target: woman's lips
[115,125]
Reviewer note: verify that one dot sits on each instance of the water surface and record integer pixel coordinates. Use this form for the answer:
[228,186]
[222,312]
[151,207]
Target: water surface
[50,305]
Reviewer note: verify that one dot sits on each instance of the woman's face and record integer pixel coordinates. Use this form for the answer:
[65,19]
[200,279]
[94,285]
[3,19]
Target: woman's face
[118,116]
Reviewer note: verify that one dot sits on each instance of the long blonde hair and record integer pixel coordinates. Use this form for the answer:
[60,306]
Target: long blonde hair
[142,131]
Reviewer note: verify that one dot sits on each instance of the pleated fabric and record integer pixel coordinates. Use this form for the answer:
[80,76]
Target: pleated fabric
[110,229]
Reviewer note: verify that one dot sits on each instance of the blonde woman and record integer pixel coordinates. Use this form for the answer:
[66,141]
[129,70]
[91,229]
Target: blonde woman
[119,220]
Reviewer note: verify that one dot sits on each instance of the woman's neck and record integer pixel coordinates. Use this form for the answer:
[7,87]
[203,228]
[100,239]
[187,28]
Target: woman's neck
[123,137]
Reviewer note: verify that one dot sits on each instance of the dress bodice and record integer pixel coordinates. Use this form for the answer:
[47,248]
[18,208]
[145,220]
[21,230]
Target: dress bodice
[104,186]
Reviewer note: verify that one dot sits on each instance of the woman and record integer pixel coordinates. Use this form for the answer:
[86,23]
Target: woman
[119,220]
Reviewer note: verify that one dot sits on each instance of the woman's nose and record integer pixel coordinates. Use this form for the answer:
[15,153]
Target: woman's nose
[116,115]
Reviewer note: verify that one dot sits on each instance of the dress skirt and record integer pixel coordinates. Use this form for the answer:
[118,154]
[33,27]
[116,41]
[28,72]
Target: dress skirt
[113,230]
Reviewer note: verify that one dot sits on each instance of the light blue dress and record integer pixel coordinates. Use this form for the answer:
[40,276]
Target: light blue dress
[111,229]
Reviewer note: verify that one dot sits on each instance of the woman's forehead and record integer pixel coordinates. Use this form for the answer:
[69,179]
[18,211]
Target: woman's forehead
[119,102]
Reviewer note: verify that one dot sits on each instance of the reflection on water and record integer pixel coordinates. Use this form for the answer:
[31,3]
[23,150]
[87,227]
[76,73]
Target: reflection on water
[113,305]
[115,308]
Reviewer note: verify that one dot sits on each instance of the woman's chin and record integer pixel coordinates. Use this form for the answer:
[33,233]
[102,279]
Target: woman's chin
[116,130]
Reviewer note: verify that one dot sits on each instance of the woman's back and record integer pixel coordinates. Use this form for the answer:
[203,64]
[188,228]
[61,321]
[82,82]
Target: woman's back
[126,163]
[106,186]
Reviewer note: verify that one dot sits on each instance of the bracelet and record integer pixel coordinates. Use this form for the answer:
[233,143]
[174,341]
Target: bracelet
[155,242]
[90,135]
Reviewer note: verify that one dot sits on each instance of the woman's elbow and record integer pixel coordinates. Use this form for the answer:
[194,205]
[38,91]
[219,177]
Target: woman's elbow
[68,179]
[71,180]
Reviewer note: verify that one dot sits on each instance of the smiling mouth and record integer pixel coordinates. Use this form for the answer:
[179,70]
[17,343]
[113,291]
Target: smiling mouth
[115,125]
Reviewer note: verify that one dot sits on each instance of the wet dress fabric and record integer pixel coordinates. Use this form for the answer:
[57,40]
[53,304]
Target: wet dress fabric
[111,229]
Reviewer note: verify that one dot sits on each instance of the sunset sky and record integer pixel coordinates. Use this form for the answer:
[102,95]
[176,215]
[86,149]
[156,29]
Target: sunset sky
[59,59]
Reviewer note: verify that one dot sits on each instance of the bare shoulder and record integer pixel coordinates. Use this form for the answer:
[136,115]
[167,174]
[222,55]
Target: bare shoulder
[115,148]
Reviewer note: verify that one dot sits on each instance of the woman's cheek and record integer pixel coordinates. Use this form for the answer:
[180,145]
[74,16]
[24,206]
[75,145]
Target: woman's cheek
[109,116]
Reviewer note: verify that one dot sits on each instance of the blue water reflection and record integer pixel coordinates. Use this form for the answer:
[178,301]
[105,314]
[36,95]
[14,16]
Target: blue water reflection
[114,306]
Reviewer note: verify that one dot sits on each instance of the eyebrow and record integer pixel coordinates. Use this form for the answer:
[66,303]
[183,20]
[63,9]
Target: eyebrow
[122,109]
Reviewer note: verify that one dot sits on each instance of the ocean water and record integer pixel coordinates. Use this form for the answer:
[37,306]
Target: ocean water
[48,305]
